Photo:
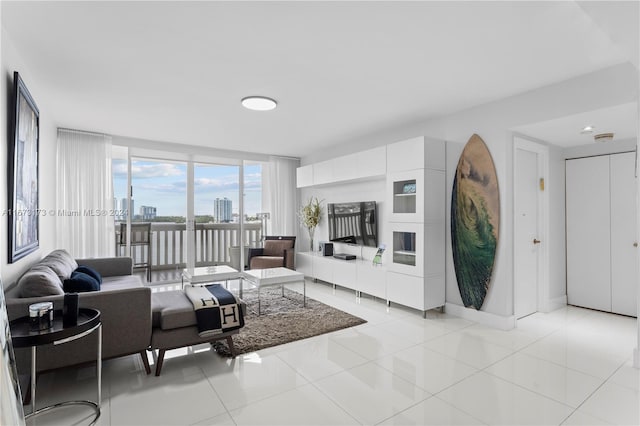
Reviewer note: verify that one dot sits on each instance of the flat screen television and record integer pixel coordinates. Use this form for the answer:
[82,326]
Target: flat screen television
[353,223]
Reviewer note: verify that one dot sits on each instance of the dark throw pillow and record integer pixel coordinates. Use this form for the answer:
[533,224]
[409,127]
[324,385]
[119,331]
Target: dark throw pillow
[80,282]
[91,272]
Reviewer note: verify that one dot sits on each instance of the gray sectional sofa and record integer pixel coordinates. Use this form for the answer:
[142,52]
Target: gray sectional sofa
[124,303]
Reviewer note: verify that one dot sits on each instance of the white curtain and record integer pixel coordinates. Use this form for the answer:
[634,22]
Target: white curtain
[279,196]
[84,198]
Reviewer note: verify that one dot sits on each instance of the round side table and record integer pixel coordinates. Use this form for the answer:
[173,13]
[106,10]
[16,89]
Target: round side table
[24,337]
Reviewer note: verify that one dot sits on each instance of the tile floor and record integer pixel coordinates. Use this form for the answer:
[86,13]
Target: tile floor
[571,367]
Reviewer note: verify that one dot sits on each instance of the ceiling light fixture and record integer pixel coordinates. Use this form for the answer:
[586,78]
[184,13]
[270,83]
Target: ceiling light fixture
[603,137]
[259,103]
[587,129]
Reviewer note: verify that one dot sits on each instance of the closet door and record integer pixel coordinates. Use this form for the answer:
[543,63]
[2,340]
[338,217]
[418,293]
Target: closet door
[623,234]
[588,233]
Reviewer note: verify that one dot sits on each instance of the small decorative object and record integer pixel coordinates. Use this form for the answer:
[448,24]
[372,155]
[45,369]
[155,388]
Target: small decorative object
[23,173]
[310,215]
[41,316]
[409,188]
[70,310]
[377,259]
[475,221]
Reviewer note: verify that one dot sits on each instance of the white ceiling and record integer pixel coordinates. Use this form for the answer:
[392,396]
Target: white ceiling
[176,71]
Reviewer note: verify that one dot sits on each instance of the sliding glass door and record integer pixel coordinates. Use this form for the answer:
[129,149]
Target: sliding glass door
[194,209]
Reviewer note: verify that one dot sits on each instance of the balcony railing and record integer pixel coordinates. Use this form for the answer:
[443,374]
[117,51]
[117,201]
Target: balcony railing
[169,243]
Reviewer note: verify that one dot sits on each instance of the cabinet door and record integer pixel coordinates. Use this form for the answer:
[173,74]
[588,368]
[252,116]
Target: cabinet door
[323,269]
[406,155]
[407,248]
[304,264]
[623,234]
[323,172]
[406,290]
[588,233]
[344,273]
[372,279]
[406,191]
[372,162]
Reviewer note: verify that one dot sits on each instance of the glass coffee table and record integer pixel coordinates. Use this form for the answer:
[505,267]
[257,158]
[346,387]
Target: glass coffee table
[209,274]
[274,276]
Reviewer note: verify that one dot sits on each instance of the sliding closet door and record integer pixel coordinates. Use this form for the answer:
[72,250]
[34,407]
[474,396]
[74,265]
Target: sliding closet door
[623,234]
[588,233]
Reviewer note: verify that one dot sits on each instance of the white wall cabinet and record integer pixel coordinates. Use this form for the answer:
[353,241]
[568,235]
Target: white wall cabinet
[415,222]
[601,232]
[352,167]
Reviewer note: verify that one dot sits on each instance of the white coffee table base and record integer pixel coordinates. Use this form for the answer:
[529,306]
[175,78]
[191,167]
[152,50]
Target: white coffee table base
[274,276]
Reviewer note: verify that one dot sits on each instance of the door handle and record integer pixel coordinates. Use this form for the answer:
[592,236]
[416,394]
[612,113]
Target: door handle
[635,244]
[536,241]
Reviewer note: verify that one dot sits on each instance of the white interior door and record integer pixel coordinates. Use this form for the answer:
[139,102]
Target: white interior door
[623,234]
[588,233]
[527,232]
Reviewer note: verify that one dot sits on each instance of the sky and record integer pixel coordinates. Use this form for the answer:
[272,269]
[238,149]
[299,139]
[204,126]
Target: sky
[163,184]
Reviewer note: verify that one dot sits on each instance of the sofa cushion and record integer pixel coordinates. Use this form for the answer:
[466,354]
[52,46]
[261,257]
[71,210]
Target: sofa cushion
[265,262]
[61,262]
[172,309]
[276,247]
[120,283]
[89,271]
[79,282]
[39,281]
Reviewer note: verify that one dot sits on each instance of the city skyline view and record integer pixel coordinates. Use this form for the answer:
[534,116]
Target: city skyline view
[162,184]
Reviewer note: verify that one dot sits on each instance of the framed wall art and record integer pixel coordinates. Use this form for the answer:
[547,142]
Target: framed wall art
[23,173]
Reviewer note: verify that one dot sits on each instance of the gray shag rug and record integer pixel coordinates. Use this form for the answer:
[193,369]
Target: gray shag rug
[283,320]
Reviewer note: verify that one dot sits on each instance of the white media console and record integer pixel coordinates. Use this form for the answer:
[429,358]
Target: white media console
[415,225]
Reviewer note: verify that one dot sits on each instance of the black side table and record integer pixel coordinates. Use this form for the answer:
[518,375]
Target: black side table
[24,337]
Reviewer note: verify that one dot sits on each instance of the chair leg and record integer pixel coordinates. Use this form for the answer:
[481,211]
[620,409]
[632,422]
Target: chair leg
[145,361]
[231,348]
[159,361]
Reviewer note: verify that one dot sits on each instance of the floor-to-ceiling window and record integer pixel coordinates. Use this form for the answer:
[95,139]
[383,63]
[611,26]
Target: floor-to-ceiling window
[197,210]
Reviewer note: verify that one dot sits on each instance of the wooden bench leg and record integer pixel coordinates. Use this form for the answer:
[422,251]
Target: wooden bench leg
[159,361]
[230,344]
[145,361]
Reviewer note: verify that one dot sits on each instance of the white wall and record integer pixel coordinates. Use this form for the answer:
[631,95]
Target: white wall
[494,123]
[10,62]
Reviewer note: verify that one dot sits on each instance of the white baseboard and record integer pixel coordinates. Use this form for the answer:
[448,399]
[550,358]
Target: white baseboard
[481,317]
[557,303]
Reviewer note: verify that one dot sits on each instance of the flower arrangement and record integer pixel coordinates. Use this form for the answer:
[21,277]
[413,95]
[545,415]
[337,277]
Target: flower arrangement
[310,215]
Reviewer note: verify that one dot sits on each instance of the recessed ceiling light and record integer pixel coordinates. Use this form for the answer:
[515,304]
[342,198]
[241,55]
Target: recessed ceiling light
[587,129]
[259,103]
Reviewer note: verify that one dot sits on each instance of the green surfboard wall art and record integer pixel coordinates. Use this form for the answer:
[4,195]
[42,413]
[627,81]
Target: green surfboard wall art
[475,221]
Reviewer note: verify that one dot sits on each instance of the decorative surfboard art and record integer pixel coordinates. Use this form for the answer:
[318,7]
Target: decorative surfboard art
[475,221]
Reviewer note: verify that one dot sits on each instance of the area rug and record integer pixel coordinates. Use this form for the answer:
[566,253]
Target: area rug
[283,320]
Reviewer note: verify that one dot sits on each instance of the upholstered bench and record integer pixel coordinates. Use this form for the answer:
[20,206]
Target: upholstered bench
[175,325]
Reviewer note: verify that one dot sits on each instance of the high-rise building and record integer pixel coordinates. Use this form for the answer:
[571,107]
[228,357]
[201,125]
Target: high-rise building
[147,212]
[222,210]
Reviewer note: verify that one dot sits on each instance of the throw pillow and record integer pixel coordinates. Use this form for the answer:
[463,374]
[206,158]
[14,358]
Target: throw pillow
[61,262]
[90,271]
[40,281]
[79,282]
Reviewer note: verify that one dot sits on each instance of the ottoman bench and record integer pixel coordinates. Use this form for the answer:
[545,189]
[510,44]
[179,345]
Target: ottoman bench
[175,326]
